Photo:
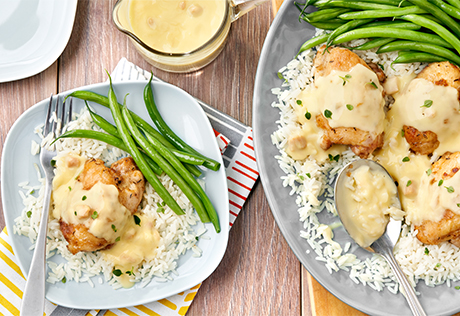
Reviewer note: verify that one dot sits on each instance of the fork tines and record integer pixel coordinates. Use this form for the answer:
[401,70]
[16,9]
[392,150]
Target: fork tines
[52,123]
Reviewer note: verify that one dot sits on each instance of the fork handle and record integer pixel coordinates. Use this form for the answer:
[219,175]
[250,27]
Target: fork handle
[33,299]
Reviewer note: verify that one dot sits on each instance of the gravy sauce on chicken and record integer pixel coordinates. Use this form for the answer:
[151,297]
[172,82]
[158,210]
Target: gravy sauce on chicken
[345,105]
[97,208]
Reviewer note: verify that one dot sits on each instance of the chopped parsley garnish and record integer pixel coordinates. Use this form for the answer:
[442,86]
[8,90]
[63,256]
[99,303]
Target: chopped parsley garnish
[457,287]
[299,102]
[427,104]
[94,215]
[408,183]
[308,175]
[64,280]
[308,115]
[301,177]
[372,83]
[160,210]
[280,75]
[438,265]
[334,158]
[75,213]
[32,192]
[131,272]
[117,239]
[70,188]
[428,172]
[83,197]
[345,79]
[427,251]
[406,159]
[114,228]
[53,163]
[117,272]
[29,214]
[381,66]
[458,204]
[440,182]
[450,189]
[402,133]
[137,220]
[328,114]
[350,107]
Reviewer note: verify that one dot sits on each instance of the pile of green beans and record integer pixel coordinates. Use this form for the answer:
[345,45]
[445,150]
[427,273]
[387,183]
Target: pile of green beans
[420,30]
[154,152]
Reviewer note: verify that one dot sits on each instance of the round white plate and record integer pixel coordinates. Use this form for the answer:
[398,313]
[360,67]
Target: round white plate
[283,41]
[183,114]
[34,34]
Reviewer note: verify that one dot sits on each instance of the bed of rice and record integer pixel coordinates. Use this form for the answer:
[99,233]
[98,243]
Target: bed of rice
[178,233]
[312,184]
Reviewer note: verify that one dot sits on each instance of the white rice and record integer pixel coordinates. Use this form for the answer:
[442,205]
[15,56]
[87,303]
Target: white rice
[312,184]
[177,232]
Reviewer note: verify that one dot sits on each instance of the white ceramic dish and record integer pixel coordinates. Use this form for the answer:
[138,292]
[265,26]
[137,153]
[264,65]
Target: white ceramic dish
[183,114]
[34,34]
[285,37]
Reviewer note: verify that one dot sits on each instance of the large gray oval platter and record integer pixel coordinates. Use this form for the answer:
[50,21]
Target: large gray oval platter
[284,38]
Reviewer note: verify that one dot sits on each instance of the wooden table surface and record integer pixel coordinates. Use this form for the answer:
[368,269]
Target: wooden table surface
[259,274]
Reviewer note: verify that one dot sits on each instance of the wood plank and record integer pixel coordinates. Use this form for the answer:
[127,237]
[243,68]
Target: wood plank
[17,96]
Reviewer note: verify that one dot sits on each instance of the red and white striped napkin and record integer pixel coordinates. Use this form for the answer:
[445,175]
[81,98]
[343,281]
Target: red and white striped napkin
[236,144]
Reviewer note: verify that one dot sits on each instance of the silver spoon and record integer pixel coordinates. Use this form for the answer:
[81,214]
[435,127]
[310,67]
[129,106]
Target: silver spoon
[385,244]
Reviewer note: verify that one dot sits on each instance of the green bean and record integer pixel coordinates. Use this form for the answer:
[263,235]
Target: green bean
[165,165]
[394,3]
[314,41]
[138,158]
[104,101]
[435,27]
[395,24]
[109,139]
[211,211]
[305,6]
[455,3]
[437,12]
[391,32]
[327,25]
[324,15]
[377,42]
[423,47]
[414,57]
[188,158]
[374,14]
[353,5]
[167,132]
[450,10]
[345,28]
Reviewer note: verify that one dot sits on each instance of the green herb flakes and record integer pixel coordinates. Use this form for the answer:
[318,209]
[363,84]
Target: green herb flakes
[428,172]
[94,215]
[440,182]
[29,214]
[308,175]
[406,159]
[137,220]
[450,189]
[346,78]
[427,104]
[350,107]
[64,280]
[117,239]
[83,197]
[114,228]
[427,251]
[402,133]
[372,83]
[327,114]
[408,183]
[299,102]
[117,272]
[334,158]
[308,115]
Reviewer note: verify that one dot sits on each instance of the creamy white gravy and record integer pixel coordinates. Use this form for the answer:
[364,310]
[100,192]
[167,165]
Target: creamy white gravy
[353,99]
[98,208]
[370,201]
[176,26]
[442,116]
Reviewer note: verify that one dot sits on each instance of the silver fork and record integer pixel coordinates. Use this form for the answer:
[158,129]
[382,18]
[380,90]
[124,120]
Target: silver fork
[33,300]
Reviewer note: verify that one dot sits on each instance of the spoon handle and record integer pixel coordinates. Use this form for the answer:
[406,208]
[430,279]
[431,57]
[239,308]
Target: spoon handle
[411,297]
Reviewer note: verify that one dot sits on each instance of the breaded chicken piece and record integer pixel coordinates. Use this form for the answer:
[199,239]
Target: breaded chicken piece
[130,182]
[441,74]
[362,143]
[448,228]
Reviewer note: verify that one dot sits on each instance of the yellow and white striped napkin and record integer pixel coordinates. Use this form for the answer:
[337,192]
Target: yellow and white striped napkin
[235,142]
